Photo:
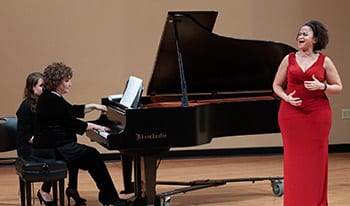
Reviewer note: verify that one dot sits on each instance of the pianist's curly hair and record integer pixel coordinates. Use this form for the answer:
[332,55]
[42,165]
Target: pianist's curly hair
[55,73]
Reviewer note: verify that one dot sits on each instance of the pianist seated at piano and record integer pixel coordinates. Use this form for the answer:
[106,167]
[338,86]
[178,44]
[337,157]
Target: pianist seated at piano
[57,128]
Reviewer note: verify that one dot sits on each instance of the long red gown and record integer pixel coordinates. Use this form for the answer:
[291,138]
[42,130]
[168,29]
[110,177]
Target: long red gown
[305,130]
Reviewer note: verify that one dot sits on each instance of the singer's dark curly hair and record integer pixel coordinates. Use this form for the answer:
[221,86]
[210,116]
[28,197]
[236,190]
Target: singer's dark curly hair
[55,73]
[320,33]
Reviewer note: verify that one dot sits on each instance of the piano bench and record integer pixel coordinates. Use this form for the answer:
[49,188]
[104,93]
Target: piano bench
[46,171]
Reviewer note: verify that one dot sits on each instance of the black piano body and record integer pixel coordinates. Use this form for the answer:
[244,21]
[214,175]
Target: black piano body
[228,89]
[168,124]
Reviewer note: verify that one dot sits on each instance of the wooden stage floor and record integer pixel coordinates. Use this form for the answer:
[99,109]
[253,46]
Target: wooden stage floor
[236,193]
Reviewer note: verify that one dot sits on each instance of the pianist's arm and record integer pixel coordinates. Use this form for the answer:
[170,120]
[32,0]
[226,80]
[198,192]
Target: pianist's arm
[92,107]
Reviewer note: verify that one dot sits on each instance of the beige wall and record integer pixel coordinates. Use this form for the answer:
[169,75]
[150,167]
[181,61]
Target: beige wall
[106,41]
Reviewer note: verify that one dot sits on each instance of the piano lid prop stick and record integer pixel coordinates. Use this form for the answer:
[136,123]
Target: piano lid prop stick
[184,98]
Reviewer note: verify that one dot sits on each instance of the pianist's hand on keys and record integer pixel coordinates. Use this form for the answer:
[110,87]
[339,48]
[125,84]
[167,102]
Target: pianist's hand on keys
[103,133]
[96,127]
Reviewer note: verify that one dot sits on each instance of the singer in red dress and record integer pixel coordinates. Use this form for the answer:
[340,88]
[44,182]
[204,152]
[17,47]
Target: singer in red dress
[303,81]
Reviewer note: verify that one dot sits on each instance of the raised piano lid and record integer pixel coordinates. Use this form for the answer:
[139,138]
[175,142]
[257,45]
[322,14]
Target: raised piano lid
[213,64]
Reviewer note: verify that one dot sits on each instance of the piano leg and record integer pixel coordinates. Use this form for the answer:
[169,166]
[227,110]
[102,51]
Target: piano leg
[145,177]
[126,160]
[138,176]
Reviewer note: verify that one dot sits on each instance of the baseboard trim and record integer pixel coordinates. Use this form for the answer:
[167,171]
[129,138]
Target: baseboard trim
[254,151]
[178,154]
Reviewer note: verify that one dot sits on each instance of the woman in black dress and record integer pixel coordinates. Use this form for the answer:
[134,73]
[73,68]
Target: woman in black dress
[25,136]
[25,126]
[57,127]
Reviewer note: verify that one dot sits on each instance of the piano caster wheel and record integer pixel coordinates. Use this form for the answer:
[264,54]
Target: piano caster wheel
[163,201]
[277,187]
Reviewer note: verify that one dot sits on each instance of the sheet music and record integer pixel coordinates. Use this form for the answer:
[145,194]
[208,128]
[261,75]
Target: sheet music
[132,92]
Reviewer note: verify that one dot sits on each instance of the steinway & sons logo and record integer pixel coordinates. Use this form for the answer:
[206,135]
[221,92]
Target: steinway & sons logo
[150,136]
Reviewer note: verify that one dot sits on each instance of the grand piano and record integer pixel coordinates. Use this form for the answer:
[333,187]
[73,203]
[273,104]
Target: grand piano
[203,86]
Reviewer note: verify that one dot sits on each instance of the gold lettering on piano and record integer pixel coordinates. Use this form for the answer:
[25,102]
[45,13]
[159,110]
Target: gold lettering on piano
[150,136]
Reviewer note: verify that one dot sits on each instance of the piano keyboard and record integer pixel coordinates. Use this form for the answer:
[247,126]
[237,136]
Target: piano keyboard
[103,134]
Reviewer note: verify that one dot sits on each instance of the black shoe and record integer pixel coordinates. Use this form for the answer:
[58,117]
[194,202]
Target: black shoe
[129,188]
[73,193]
[119,202]
[41,200]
